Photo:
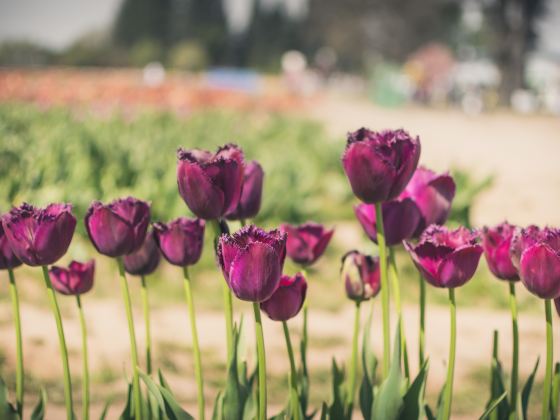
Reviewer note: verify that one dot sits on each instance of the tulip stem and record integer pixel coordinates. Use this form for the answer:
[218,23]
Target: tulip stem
[85,368]
[196,347]
[384,289]
[293,374]
[146,310]
[515,356]
[262,361]
[62,344]
[549,356]
[19,343]
[133,349]
[397,294]
[448,395]
[354,360]
[422,332]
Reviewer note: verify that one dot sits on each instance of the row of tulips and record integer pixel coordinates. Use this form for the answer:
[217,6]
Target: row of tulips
[402,204]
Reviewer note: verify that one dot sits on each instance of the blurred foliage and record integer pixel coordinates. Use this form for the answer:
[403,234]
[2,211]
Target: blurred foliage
[188,56]
[467,189]
[144,52]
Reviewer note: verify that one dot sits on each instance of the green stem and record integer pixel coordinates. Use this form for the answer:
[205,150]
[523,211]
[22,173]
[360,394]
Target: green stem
[515,357]
[422,332]
[133,349]
[146,310]
[62,344]
[293,374]
[384,289]
[354,360]
[262,361]
[85,368]
[196,347]
[448,395]
[19,343]
[397,295]
[549,356]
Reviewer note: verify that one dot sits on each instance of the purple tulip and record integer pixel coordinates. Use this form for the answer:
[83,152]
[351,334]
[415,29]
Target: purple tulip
[400,219]
[251,193]
[118,228]
[496,243]
[433,194]
[210,183]
[361,276]
[306,242]
[180,240]
[446,258]
[380,164]
[39,236]
[287,300]
[8,259]
[252,261]
[144,260]
[77,279]
[536,253]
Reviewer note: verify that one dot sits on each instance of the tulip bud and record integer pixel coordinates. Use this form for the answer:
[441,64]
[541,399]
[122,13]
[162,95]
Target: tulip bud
[144,260]
[252,261]
[496,243]
[446,258]
[39,236]
[118,228]
[287,300]
[180,240]
[77,279]
[380,164]
[8,259]
[361,276]
[306,242]
[251,193]
[210,184]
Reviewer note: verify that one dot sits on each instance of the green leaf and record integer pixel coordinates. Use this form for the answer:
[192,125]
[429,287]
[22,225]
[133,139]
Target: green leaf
[414,396]
[128,411]
[555,392]
[497,384]
[234,393]
[165,400]
[337,409]
[41,407]
[493,406]
[526,393]
[369,363]
[153,388]
[218,403]
[105,410]
[429,414]
[324,411]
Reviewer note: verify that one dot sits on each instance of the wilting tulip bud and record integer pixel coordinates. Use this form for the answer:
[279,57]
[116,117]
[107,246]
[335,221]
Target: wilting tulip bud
[118,228]
[400,220]
[252,261]
[361,276]
[144,260]
[210,183]
[180,240]
[536,253]
[496,243]
[287,300]
[8,259]
[251,193]
[306,242]
[380,164]
[39,236]
[433,194]
[446,258]
[77,279]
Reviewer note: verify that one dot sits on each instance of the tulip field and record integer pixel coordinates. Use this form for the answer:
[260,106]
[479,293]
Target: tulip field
[231,265]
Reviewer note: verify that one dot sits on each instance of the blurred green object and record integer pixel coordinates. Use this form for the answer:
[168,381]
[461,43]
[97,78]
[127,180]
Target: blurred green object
[468,189]
[386,85]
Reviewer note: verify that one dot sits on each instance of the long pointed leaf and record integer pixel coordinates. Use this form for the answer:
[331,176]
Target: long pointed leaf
[492,406]
[41,407]
[414,397]
[526,393]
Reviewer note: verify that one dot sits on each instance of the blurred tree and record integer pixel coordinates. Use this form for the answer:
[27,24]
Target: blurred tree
[138,20]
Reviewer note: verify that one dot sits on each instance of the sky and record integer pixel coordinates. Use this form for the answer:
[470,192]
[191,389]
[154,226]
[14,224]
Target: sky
[57,23]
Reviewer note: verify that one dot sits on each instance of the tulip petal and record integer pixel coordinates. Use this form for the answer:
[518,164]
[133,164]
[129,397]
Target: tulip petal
[110,233]
[427,257]
[228,176]
[53,237]
[459,266]
[540,271]
[205,199]
[408,151]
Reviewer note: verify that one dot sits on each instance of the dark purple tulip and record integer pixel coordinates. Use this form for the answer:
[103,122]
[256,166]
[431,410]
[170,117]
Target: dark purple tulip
[400,219]
[287,300]
[306,242]
[144,260]
[8,259]
[39,236]
[180,240]
[251,193]
[536,253]
[361,276]
[118,228]
[77,279]
[446,258]
[380,164]
[433,194]
[496,243]
[210,183]
[252,261]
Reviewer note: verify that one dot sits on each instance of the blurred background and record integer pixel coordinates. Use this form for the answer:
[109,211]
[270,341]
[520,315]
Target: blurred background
[95,97]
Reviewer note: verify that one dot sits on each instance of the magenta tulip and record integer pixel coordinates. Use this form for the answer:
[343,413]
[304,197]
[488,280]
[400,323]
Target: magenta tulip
[251,193]
[8,259]
[361,276]
[39,236]
[144,260]
[287,300]
[180,240]
[306,242]
[77,279]
[496,243]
